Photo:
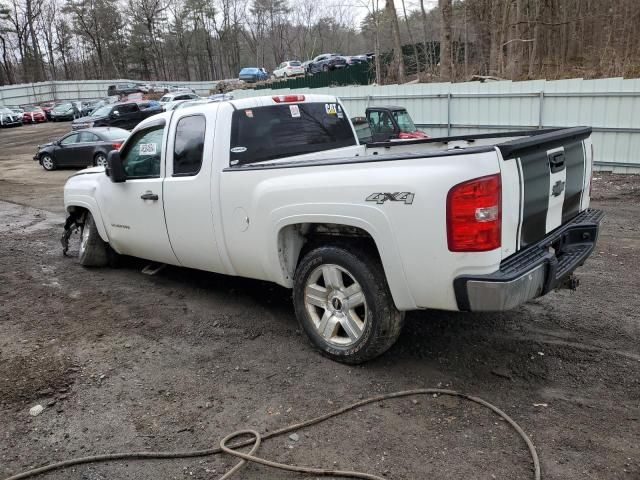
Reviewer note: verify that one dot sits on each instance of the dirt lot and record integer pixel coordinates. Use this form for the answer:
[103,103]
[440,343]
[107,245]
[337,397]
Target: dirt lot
[124,361]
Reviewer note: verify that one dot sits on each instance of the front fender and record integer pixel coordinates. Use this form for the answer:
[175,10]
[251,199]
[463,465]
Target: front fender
[369,219]
[79,192]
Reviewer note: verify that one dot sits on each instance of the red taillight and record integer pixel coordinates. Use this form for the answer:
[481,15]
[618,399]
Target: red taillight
[288,98]
[116,146]
[474,215]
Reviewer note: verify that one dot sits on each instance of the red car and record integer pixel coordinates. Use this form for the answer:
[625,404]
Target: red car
[47,106]
[33,114]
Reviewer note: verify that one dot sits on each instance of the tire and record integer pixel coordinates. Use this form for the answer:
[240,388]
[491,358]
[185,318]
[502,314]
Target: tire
[100,160]
[93,250]
[348,333]
[47,162]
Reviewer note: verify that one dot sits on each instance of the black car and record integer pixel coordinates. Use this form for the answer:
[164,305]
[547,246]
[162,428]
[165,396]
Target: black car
[81,149]
[121,115]
[120,89]
[64,111]
[326,62]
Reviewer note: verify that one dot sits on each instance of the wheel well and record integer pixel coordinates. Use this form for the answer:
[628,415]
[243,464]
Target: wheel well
[295,241]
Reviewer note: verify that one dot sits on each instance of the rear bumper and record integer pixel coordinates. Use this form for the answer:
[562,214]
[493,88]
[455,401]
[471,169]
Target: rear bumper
[534,271]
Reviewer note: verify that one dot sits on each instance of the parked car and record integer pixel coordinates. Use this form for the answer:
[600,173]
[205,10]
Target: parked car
[390,123]
[81,149]
[121,115]
[33,114]
[122,89]
[221,97]
[356,59]
[326,62]
[65,111]
[361,233]
[175,96]
[150,105]
[290,68]
[9,118]
[252,74]
[90,106]
[16,109]
[47,107]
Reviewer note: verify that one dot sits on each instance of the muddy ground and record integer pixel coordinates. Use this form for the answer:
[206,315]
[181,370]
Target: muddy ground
[123,361]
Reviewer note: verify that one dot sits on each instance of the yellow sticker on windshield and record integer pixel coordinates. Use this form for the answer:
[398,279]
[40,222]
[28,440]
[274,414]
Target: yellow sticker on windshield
[330,108]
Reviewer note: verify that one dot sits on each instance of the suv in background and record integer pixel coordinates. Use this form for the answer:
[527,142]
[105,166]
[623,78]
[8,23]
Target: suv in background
[121,115]
[123,89]
[326,62]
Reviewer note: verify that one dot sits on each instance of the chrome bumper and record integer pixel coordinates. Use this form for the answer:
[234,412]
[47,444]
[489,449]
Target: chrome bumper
[534,271]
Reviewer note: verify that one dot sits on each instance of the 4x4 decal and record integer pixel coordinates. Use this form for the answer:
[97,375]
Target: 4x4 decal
[380,198]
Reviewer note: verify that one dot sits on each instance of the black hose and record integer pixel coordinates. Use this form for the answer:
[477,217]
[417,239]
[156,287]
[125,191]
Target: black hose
[257,438]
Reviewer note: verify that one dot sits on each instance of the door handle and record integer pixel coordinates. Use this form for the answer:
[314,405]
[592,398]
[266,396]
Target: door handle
[556,161]
[149,196]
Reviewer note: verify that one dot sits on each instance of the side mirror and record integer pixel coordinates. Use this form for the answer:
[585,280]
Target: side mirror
[115,113]
[115,170]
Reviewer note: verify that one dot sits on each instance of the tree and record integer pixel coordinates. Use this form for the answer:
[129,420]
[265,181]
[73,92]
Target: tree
[398,57]
[446,63]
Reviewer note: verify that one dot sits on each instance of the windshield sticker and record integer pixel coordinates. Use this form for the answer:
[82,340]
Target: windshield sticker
[239,149]
[295,111]
[147,149]
[249,113]
[330,108]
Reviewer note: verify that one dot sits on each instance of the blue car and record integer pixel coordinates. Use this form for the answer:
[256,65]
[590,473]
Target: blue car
[253,74]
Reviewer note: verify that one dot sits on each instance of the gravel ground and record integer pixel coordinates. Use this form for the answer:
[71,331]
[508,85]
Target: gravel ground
[123,361]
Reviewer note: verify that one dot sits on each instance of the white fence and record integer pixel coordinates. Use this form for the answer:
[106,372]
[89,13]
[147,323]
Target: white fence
[611,106]
[73,90]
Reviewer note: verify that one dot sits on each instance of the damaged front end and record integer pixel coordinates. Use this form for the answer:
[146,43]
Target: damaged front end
[73,224]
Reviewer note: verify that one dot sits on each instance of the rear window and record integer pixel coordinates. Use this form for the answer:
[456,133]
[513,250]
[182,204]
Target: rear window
[295,64]
[267,133]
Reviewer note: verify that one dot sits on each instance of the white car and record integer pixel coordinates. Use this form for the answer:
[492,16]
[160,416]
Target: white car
[175,96]
[361,233]
[291,68]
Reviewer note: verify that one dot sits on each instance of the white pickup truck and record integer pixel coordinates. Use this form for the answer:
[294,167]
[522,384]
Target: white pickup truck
[279,189]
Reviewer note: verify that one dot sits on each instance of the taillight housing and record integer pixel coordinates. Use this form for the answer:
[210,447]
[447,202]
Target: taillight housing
[288,98]
[474,216]
[116,146]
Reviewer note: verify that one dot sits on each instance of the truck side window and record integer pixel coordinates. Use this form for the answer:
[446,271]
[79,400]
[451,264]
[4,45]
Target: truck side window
[142,155]
[380,122]
[188,145]
[266,133]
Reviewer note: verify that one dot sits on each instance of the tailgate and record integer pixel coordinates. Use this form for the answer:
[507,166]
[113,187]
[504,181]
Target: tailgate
[554,170]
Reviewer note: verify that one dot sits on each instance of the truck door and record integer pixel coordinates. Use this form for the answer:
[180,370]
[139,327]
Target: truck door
[190,192]
[133,209]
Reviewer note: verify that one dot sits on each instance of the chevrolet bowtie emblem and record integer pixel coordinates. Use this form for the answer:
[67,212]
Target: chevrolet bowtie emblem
[557,188]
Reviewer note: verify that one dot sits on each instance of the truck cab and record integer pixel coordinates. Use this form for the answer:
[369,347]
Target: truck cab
[391,123]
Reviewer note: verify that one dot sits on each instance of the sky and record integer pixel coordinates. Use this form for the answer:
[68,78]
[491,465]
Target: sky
[360,6]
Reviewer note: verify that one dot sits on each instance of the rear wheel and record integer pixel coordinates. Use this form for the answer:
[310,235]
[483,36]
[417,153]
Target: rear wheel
[93,250]
[344,305]
[47,162]
[100,160]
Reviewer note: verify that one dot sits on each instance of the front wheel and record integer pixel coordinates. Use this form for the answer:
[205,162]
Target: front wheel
[343,304]
[47,162]
[93,250]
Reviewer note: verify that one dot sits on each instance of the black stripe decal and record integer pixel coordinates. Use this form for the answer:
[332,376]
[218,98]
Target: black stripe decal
[535,172]
[574,159]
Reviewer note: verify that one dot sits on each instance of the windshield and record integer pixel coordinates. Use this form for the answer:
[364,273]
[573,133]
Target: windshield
[165,99]
[5,110]
[64,106]
[31,109]
[101,112]
[404,121]
[115,134]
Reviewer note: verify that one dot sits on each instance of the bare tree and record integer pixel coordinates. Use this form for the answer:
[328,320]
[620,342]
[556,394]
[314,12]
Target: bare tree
[398,57]
[446,63]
